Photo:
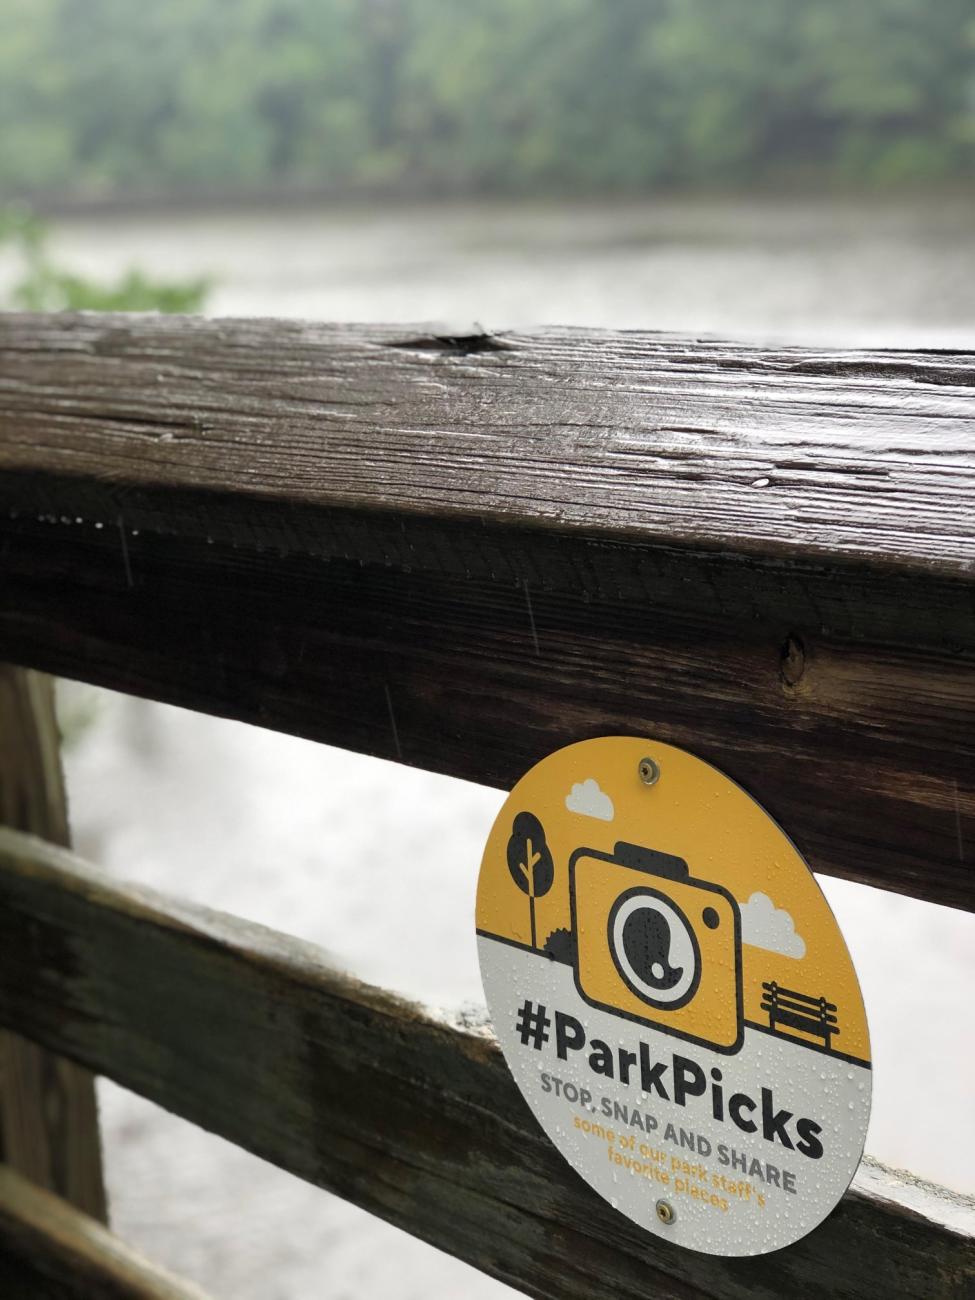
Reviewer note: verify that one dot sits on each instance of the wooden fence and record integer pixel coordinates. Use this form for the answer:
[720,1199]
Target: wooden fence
[459,553]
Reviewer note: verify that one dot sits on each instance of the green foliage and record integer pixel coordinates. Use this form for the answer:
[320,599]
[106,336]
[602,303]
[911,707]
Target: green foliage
[100,97]
[44,286]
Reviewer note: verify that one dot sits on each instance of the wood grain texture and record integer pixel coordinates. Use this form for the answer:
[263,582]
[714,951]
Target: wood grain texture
[51,1251]
[464,553]
[48,1112]
[404,1112]
[634,435]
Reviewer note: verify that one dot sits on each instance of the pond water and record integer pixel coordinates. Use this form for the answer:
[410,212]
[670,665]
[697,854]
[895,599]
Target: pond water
[298,835]
[877,273]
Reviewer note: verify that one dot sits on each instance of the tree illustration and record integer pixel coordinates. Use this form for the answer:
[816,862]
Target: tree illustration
[530,861]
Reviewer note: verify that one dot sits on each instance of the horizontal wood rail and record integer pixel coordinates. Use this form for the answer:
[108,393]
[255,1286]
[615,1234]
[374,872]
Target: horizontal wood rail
[249,1034]
[464,552]
[51,1251]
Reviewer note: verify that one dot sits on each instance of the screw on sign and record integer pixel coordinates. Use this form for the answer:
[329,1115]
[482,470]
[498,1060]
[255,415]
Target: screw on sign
[676,1002]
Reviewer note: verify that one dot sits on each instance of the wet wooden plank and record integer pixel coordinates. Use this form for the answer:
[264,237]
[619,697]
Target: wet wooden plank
[628,434]
[462,553]
[404,1112]
[48,1113]
[51,1251]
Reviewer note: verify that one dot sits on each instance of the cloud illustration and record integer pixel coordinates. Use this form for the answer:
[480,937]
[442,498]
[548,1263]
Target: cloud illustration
[588,800]
[763,925]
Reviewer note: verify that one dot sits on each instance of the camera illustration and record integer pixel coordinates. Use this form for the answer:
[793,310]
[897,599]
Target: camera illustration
[657,946]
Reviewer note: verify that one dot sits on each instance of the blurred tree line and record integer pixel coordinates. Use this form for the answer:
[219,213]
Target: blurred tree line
[104,97]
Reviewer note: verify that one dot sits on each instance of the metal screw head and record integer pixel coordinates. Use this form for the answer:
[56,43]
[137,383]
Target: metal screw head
[665,1212]
[649,771]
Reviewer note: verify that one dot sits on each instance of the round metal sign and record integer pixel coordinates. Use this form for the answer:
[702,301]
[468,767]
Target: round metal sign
[673,995]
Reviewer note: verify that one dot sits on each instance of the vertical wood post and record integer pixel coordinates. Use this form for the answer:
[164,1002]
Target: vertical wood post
[48,1114]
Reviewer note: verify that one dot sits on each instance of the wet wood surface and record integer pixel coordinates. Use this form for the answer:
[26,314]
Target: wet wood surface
[410,1114]
[48,1113]
[464,552]
[51,1251]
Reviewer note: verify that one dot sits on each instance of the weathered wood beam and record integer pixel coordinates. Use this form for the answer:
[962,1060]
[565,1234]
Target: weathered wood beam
[249,1034]
[51,1251]
[48,1111]
[463,553]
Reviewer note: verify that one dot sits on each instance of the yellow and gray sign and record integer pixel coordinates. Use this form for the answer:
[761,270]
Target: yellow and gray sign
[673,995]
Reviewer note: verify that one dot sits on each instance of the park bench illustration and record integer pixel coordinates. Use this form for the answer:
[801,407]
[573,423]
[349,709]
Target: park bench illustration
[799,1011]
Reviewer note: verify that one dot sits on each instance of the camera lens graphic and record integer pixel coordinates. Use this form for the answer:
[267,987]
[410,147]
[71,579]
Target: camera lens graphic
[654,948]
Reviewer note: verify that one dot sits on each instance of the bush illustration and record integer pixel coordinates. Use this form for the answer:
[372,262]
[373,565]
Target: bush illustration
[561,946]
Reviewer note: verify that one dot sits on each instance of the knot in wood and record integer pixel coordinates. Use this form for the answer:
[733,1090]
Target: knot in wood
[792,662]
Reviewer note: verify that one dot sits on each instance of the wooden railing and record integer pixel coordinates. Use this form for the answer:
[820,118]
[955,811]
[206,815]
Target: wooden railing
[461,553]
